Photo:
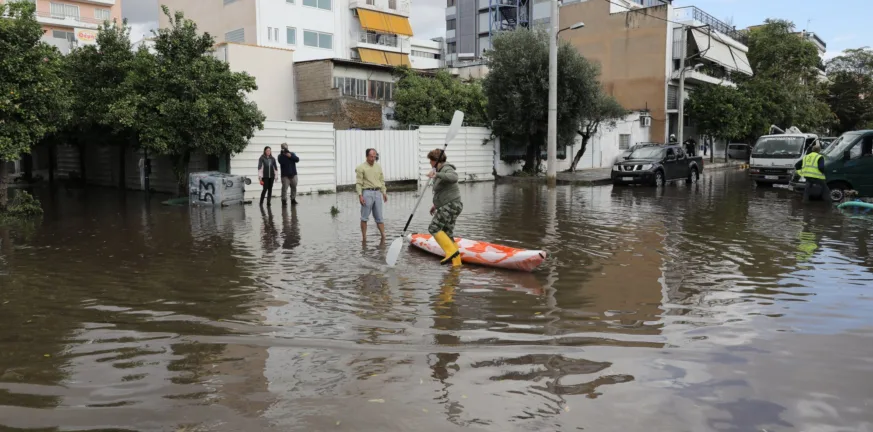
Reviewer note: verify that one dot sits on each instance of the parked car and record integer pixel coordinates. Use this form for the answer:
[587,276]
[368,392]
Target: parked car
[657,165]
[848,165]
[626,153]
[739,151]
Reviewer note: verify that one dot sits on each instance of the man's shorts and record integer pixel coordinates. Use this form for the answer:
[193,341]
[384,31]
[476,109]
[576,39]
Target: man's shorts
[372,203]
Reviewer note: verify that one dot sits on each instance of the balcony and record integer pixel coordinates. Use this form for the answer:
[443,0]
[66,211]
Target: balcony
[380,40]
[99,2]
[692,13]
[70,21]
[394,7]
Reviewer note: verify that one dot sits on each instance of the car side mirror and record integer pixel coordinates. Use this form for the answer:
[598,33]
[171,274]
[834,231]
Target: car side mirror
[847,155]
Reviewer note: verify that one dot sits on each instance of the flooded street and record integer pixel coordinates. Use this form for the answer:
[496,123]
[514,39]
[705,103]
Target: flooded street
[710,307]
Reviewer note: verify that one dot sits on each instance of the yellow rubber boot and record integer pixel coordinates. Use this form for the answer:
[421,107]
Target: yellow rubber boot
[451,249]
[456,261]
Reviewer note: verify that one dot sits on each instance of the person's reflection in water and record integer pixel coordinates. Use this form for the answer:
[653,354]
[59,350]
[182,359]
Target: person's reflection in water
[445,320]
[269,235]
[290,228]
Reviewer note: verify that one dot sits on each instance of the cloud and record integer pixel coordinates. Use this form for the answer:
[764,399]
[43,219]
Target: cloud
[428,18]
[831,54]
[844,38]
[140,11]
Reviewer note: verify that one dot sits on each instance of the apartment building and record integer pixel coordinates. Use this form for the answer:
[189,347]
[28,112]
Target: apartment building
[369,31]
[71,23]
[640,47]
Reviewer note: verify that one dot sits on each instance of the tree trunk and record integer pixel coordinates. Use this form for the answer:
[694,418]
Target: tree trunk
[180,166]
[580,153]
[4,185]
[531,157]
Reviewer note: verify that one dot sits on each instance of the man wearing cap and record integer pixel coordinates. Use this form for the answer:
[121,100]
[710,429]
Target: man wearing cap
[288,163]
[370,185]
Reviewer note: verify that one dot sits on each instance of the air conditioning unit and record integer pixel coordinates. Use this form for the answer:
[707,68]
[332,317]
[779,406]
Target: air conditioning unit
[645,121]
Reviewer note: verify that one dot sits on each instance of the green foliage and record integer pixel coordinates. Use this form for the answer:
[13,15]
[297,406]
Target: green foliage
[33,94]
[604,110]
[517,88]
[182,99]
[720,111]
[785,89]
[851,92]
[334,211]
[426,100]
[24,205]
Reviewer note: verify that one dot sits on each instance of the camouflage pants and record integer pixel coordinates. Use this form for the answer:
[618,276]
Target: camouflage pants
[445,217]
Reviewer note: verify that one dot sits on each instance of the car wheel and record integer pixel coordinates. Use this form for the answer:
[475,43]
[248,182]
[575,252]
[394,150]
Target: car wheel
[693,176]
[660,180]
[838,191]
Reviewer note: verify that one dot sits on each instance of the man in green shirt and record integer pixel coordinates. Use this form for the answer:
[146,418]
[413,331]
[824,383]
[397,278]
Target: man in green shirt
[370,183]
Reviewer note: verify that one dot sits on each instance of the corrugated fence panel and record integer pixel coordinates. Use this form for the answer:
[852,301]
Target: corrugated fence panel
[314,144]
[68,161]
[398,154]
[473,160]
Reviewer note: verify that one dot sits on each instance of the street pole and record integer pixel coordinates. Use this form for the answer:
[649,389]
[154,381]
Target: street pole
[552,145]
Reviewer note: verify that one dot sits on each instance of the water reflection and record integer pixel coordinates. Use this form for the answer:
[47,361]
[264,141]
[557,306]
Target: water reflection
[712,306]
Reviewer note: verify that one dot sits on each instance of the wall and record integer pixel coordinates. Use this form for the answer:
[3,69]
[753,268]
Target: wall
[631,49]
[398,152]
[313,143]
[281,14]
[86,10]
[214,17]
[273,68]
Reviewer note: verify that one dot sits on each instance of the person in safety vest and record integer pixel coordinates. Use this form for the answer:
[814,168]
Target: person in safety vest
[811,167]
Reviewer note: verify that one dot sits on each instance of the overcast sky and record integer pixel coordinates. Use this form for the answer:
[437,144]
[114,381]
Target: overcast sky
[428,18]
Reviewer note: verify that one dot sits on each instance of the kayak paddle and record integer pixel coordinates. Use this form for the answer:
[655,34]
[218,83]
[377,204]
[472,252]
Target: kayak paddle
[397,245]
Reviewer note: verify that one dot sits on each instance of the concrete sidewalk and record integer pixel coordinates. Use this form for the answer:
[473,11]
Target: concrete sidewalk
[601,176]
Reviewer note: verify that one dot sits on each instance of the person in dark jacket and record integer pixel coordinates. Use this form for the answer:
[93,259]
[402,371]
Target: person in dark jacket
[812,168]
[288,163]
[268,171]
[447,205]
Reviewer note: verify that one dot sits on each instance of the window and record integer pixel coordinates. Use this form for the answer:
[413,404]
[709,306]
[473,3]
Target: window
[353,87]
[289,1]
[424,54]
[451,24]
[102,14]
[317,39]
[450,3]
[238,35]
[276,34]
[291,36]
[58,34]
[60,10]
[321,4]
[451,47]
[624,141]
[392,4]
[381,91]
[270,33]
[227,2]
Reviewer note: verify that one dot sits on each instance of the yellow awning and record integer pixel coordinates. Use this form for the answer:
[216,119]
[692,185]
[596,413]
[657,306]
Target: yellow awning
[397,59]
[373,56]
[385,23]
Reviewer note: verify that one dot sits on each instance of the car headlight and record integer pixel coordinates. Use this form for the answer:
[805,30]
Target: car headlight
[647,167]
[615,168]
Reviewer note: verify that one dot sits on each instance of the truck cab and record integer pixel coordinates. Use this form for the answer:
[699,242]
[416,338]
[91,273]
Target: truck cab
[773,157]
[849,164]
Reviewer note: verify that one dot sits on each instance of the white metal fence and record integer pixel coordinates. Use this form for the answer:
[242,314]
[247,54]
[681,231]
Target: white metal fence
[398,154]
[471,152]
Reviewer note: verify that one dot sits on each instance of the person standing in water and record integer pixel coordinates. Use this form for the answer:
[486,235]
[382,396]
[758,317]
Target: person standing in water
[268,171]
[447,205]
[288,162]
[370,184]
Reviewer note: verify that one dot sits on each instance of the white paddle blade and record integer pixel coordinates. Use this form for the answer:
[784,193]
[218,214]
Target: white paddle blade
[394,252]
[457,121]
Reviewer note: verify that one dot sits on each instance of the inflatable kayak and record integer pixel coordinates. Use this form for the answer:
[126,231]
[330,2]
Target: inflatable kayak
[857,207]
[482,253]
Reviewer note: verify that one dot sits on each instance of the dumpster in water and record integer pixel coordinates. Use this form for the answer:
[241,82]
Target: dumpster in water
[216,188]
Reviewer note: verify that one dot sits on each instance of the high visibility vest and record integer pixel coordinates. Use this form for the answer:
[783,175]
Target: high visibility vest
[810,167]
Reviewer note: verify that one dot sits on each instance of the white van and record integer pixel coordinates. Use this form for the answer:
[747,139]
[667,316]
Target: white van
[773,157]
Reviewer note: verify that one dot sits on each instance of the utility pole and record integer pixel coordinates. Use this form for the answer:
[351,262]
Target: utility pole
[680,132]
[552,145]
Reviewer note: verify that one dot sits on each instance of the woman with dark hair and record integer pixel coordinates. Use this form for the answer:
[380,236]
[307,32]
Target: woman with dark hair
[447,205]
[268,171]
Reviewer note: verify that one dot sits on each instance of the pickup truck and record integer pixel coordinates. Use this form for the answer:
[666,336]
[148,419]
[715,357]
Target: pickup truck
[656,165]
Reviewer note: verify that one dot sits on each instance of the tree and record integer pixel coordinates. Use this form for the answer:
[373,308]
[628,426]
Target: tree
[425,100]
[720,111]
[33,94]
[183,100]
[785,89]
[851,92]
[517,88]
[605,110]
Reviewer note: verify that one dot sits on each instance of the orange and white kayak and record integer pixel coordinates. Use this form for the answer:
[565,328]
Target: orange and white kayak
[482,253]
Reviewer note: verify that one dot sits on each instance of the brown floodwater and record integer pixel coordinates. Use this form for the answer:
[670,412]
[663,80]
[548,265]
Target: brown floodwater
[711,307]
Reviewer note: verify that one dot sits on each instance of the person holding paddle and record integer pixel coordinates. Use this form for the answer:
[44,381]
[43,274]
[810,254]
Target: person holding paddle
[447,205]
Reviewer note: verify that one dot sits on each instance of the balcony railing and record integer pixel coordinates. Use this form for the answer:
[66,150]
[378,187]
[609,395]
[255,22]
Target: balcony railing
[688,13]
[76,18]
[379,39]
